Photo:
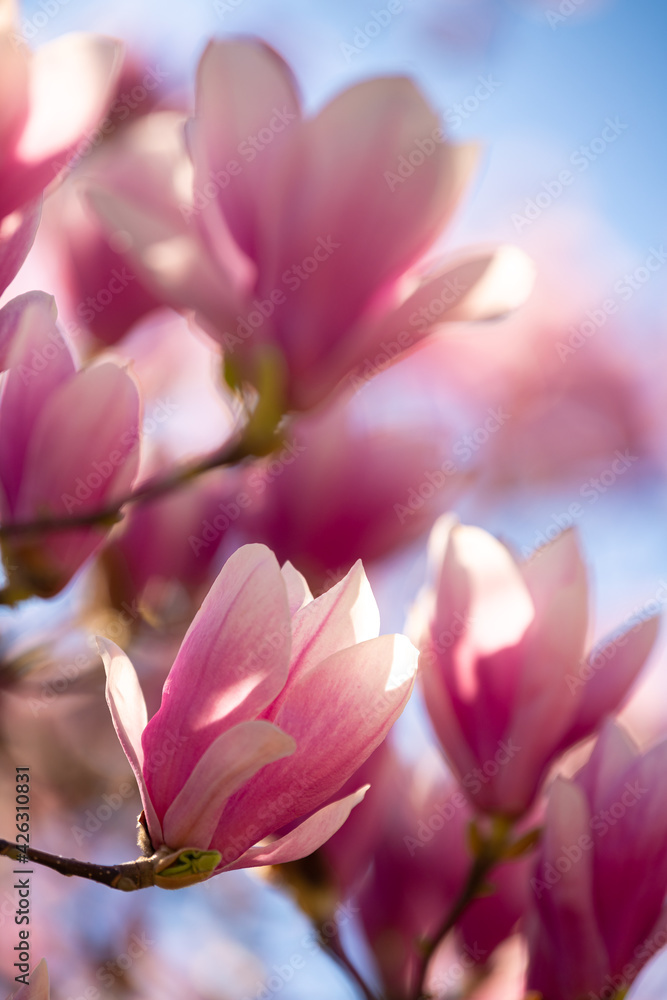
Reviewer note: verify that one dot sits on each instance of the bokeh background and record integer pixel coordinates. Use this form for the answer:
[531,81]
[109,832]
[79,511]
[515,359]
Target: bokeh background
[537,85]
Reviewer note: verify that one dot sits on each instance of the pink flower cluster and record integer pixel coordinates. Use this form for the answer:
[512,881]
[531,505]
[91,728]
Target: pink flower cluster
[237,284]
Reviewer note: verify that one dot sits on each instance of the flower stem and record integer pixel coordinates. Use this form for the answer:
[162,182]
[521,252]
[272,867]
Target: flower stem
[330,942]
[489,852]
[230,454]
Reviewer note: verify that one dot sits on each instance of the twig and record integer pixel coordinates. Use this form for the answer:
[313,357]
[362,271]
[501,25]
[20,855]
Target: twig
[489,853]
[157,486]
[331,943]
[126,877]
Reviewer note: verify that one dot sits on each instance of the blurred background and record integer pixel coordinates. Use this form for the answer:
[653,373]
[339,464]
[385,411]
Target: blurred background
[566,100]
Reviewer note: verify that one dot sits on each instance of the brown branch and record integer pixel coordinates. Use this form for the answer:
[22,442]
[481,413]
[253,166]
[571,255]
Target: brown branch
[126,877]
[229,454]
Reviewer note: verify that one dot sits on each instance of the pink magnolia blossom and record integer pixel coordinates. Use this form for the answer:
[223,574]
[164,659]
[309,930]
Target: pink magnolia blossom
[303,236]
[68,443]
[420,866]
[506,679]
[601,876]
[38,986]
[273,701]
[49,100]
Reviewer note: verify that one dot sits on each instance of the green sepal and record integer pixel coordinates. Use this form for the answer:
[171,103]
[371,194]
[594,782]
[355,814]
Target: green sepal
[192,862]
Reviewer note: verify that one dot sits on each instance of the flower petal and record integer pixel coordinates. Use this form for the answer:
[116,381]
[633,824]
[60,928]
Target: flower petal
[304,838]
[17,233]
[345,614]
[612,755]
[39,360]
[260,99]
[231,760]
[14,75]
[233,662]
[338,712]
[142,189]
[630,857]
[623,657]
[97,413]
[128,711]
[172,262]
[38,986]
[372,230]
[71,82]
[483,287]
[569,957]
[298,591]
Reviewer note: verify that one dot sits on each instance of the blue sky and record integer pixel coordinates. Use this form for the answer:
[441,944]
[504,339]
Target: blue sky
[559,81]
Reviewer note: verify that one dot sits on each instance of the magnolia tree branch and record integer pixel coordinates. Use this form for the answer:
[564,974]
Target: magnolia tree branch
[126,877]
[165,868]
[231,453]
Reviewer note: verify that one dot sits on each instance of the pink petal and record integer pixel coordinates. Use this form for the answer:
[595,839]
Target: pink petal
[481,580]
[40,361]
[472,663]
[171,262]
[14,73]
[17,232]
[298,591]
[630,856]
[38,985]
[233,661]
[97,414]
[259,96]
[345,614]
[614,752]
[339,195]
[338,712]
[303,839]
[83,454]
[572,958]
[71,83]
[231,760]
[128,711]
[11,315]
[484,287]
[556,578]
[615,664]
[142,189]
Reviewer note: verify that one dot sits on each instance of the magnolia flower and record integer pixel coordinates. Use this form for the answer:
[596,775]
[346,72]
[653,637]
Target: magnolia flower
[421,861]
[48,103]
[68,444]
[49,100]
[273,701]
[506,679]
[37,988]
[601,876]
[297,240]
